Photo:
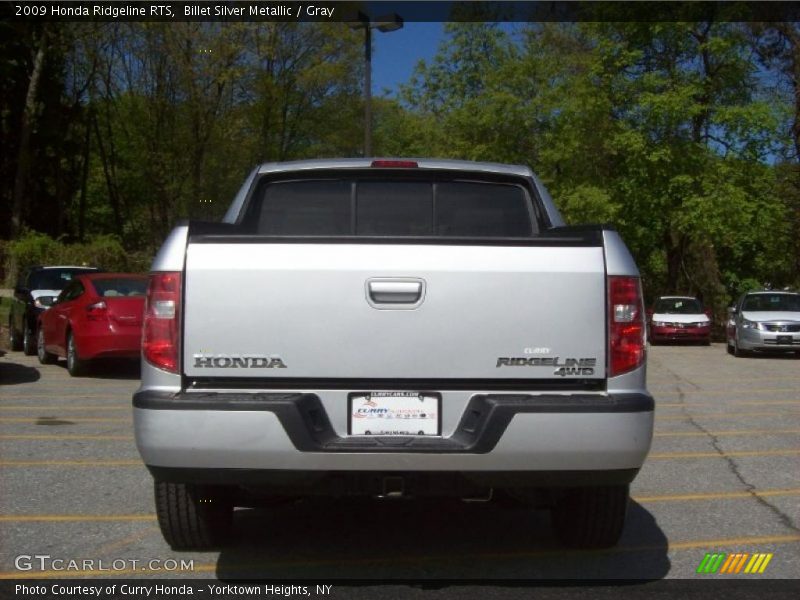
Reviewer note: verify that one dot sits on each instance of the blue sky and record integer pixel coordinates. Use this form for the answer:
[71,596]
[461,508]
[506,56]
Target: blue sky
[395,54]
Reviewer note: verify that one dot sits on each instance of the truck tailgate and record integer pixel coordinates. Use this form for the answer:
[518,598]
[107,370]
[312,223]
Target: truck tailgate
[354,310]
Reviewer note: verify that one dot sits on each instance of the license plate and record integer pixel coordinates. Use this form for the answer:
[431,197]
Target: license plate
[783,339]
[394,413]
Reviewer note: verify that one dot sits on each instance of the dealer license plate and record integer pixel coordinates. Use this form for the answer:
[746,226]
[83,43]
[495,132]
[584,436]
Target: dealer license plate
[394,413]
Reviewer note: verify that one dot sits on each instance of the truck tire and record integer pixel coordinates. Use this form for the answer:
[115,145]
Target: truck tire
[192,518]
[45,357]
[14,339]
[591,517]
[29,341]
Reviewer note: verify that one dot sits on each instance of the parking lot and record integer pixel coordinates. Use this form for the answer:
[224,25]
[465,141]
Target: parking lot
[723,476]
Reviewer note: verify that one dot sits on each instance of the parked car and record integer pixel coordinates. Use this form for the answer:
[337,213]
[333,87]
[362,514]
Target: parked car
[393,328]
[764,321]
[35,291]
[96,316]
[679,318]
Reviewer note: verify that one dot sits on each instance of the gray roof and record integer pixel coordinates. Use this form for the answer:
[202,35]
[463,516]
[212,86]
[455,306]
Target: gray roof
[424,163]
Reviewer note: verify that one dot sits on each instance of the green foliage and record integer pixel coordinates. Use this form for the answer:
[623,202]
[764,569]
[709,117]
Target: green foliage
[5,309]
[665,129]
[31,249]
[104,251]
[684,135]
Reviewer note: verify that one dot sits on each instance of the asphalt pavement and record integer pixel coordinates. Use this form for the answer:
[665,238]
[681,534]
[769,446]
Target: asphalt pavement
[723,477]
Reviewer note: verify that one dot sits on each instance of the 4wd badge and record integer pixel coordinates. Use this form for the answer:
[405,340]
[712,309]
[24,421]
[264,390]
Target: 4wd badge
[570,366]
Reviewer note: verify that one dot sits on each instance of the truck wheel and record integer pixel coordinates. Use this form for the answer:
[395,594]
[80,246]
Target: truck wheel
[75,366]
[29,341]
[45,357]
[14,339]
[192,518]
[591,517]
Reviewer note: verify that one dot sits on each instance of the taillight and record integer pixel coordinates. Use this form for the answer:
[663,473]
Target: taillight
[97,311]
[625,325]
[162,327]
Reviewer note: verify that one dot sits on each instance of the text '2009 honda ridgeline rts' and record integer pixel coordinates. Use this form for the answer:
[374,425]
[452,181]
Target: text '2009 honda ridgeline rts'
[393,328]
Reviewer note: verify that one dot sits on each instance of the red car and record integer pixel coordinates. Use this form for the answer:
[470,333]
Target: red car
[95,316]
[683,318]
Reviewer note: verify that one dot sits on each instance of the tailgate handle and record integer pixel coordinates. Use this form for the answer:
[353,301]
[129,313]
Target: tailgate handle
[395,291]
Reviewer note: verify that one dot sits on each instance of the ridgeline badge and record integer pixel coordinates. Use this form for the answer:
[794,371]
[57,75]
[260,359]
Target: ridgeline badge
[570,366]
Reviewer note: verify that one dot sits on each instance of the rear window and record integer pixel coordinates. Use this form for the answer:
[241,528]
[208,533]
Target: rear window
[678,306]
[55,278]
[412,208]
[120,286]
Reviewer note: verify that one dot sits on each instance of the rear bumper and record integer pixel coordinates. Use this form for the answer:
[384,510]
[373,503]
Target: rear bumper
[693,334]
[292,432]
[100,341]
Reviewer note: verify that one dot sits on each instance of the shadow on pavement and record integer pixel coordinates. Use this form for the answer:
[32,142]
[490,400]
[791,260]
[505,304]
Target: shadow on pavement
[788,355]
[14,373]
[111,369]
[428,540]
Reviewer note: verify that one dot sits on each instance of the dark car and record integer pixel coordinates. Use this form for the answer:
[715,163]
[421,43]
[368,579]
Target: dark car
[35,291]
[679,318]
[96,316]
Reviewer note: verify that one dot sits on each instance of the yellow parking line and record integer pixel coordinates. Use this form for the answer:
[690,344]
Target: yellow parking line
[71,419]
[60,395]
[671,383]
[722,415]
[786,452]
[72,518]
[70,463]
[749,403]
[721,433]
[68,407]
[66,437]
[777,539]
[739,390]
[716,496]
[125,541]
[412,558]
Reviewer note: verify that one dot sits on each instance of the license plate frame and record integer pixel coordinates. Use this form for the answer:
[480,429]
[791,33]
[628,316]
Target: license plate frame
[393,406]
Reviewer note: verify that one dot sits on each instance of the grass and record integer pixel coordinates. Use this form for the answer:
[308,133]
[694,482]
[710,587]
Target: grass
[5,308]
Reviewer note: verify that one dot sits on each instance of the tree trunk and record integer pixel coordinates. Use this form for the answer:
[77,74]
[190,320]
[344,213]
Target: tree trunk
[110,184]
[674,260]
[24,154]
[87,142]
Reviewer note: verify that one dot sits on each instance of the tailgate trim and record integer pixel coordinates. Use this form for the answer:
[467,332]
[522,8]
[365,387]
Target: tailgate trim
[482,424]
[588,240]
[320,383]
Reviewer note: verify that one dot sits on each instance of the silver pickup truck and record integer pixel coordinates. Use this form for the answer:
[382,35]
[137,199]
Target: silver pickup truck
[393,328]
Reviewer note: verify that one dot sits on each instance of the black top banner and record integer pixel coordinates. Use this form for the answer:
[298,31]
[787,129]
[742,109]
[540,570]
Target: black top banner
[411,11]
